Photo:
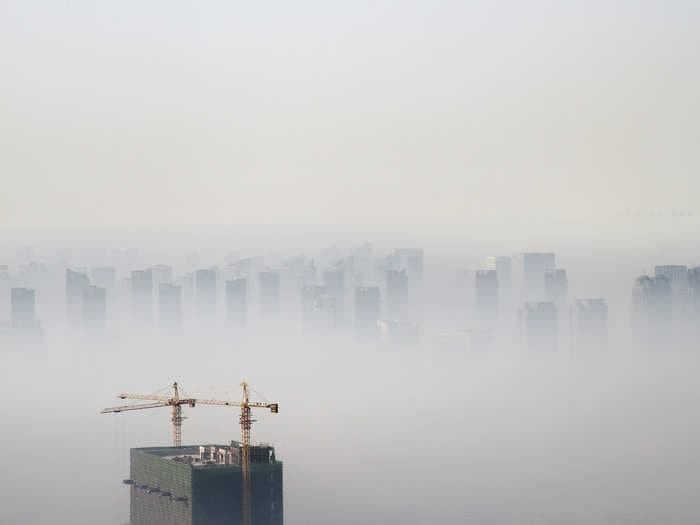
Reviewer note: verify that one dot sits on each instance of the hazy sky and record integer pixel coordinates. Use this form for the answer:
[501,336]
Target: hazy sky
[372,114]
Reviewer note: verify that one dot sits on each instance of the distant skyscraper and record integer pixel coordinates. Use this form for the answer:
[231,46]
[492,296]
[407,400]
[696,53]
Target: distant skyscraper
[25,324]
[237,301]
[534,267]
[589,323]
[203,486]
[503,266]
[556,289]
[4,293]
[270,294]
[317,309]
[539,325]
[205,290]
[652,308]
[94,306]
[694,292]
[367,311]
[170,305]
[334,282]
[677,277]
[104,277]
[76,283]
[142,295]
[486,286]
[23,306]
[397,295]
[162,274]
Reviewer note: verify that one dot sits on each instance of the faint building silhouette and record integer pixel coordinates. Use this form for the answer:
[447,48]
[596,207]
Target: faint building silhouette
[76,283]
[589,323]
[4,293]
[162,273]
[367,311]
[170,306]
[142,296]
[678,278]
[534,267]
[503,266]
[652,309]
[24,322]
[556,289]
[94,306]
[317,309]
[538,322]
[104,277]
[236,291]
[205,294]
[397,295]
[270,294]
[334,283]
[486,295]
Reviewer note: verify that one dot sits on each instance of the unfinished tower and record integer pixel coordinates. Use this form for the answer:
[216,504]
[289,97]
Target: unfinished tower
[203,485]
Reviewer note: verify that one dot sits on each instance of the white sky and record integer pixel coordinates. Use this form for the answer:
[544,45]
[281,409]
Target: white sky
[356,114]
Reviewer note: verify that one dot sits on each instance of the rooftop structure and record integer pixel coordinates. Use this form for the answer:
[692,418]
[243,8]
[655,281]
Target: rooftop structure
[202,485]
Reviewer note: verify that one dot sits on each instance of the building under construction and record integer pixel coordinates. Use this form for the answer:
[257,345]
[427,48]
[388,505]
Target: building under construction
[203,485]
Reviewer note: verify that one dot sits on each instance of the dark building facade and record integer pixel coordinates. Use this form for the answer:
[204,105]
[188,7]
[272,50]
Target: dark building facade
[202,485]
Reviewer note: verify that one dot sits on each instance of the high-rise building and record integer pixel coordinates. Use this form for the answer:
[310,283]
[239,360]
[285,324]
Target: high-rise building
[23,308]
[270,294]
[205,294]
[486,286]
[367,311]
[162,274]
[589,323]
[170,305]
[104,277]
[317,309]
[76,283]
[397,295]
[503,265]
[142,295]
[94,305]
[534,267]
[556,289]
[694,292]
[237,300]
[24,323]
[4,293]
[538,322]
[203,486]
[652,308]
[334,282]
[678,279]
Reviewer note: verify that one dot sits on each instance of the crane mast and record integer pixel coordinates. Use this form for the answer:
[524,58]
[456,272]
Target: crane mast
[176,402]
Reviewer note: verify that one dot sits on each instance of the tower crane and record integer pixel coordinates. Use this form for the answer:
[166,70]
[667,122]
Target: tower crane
[176,402]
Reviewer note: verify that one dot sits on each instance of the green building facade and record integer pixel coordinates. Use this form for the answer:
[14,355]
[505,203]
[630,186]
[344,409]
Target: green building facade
[202,485]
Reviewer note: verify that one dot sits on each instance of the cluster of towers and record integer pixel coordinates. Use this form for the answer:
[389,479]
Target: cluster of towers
[524,297]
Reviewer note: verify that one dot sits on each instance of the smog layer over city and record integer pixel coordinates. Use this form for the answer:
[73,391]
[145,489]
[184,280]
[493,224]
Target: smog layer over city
[352,263]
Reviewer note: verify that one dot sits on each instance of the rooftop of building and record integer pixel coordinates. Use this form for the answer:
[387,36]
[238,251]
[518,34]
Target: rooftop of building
[212,455]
